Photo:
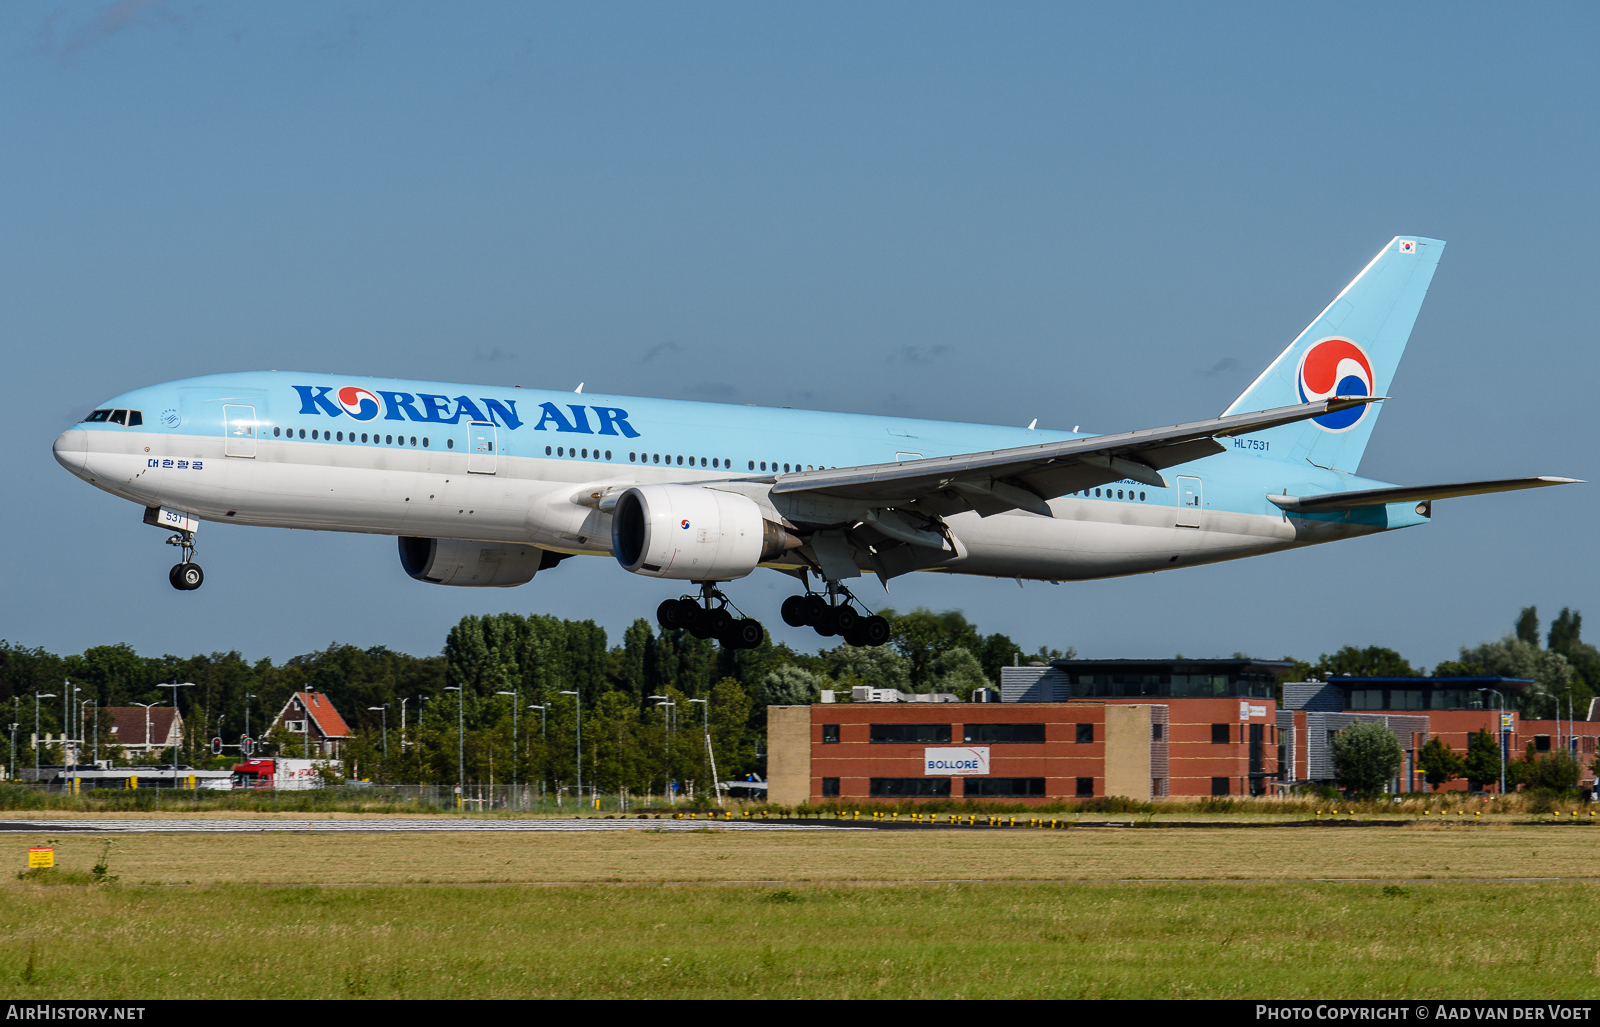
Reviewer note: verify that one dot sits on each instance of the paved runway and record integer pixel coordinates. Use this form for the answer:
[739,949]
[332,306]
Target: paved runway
[404,824]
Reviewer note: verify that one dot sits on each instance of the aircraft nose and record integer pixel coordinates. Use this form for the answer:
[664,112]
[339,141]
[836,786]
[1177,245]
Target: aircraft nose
[72,450]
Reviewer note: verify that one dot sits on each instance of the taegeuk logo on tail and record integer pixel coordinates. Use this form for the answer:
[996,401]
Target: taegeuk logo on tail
[1336,367]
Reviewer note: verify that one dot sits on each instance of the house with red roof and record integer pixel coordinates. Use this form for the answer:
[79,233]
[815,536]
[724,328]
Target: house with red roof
[139,730]
[311,716]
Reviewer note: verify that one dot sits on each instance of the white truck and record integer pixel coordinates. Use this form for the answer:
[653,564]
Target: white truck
[284,775]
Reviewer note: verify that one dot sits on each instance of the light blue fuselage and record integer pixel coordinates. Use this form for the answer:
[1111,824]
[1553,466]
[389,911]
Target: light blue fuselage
[408,470]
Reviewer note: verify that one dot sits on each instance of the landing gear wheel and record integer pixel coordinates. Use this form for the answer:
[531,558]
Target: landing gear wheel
[874,629]
[186,577]
[844,619]
[744,634]
[718,623]
[697,621]
[667,614]
[816,608]
[794,611]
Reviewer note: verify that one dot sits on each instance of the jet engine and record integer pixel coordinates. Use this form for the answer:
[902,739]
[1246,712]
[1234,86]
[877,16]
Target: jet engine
[694,533]
[453,561]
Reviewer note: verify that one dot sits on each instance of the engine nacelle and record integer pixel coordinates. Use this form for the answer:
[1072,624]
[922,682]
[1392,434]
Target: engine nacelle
[693,533]
[453,561]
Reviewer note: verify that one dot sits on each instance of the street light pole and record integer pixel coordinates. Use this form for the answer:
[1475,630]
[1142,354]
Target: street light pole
[146,706]
[36,697]
[175,687]
[577,703]
[705,706]
[667,706]
[543,709]
[461,745]
[514,701]
[384,710]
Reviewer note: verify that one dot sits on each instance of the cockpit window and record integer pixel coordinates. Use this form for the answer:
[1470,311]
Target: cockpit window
[135,418]
[118,417]
[98,415]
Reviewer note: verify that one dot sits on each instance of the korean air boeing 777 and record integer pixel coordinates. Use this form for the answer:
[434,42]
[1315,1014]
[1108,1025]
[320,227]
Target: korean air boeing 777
[488,485]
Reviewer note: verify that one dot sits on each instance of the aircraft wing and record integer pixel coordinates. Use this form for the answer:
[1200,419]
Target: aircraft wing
[1024,477]
[1413,493]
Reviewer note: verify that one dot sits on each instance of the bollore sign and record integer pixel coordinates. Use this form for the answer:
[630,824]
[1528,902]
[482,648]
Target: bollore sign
[963,761]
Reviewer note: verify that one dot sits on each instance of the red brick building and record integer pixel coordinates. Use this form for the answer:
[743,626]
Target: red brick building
[1027,752]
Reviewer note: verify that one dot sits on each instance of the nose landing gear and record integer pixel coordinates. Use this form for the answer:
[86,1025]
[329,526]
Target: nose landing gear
[186,576]
[702,619]
[832,614]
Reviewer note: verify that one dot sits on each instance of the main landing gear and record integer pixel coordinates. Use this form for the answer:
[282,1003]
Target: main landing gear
[186,576]
[708,617]
[832,614]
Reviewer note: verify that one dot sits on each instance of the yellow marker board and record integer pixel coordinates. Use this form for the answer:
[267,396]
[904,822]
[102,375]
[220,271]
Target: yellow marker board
[41,856]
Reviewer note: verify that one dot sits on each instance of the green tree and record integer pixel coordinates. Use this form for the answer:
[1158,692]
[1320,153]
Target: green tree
[1374,661]
[1366,755]
[1515,657]
[956,671]
[871,666]
[1482,765]
[731,736]
[1527,628]
[1439,763]
[791,686]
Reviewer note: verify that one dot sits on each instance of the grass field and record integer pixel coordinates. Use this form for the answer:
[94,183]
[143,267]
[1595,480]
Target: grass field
[1210,940]
[822,856]
[402,916]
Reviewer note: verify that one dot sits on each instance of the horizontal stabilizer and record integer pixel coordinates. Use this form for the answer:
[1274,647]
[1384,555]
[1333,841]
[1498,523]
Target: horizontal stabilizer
[1413,493]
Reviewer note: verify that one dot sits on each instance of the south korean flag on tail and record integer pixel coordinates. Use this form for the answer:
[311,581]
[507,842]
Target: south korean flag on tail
[1408,246]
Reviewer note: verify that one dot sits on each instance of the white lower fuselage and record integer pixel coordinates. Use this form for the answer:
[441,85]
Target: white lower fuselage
[339,486]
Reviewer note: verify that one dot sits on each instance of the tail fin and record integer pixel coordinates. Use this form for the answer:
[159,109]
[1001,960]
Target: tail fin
[1351,349]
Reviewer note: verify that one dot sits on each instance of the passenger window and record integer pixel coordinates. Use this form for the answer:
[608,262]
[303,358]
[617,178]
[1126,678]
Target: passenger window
[302,433]
[313,435]
[547,451]
[424,442]
[1097,493]
[276,432]
[413,440]
[340,436]
[119,417]
[561,451]
[753,465]
[363,436]
[388,440]
[630,456]
[763,465]
[449,443]
[1119,493]
[1141,497]
[584,453]
[786,468]
[655,458]
[608,454]
[135,418]
[680,461]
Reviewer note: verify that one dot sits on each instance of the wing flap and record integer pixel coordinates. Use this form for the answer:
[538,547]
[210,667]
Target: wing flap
[1093,460]
[1414,493]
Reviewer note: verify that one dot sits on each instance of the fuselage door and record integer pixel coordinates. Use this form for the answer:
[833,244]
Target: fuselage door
[239,430]
[480,447]
[1191,500]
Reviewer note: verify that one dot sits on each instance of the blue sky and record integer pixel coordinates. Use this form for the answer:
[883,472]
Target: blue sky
[1106,215]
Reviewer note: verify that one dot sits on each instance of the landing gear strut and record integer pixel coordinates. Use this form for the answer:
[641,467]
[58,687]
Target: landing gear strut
[708,617]
[832,614]
[186,576]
